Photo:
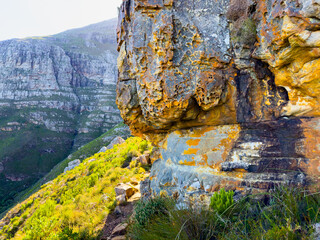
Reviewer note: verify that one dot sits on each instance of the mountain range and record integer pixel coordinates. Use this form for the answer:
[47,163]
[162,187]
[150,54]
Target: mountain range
[57,93]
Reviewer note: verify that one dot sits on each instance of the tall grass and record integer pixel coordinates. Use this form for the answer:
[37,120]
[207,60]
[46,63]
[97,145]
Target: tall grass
[284,213]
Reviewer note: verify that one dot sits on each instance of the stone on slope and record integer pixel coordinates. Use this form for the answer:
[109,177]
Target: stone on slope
[125,189]
[116,140]
[103,149]
[73,164]
[120,229]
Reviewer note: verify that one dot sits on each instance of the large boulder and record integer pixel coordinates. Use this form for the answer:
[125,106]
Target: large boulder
[116,140]
[229,91]
[73,164]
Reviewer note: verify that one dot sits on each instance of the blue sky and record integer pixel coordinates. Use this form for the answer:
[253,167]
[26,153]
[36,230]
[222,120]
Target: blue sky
[25,18]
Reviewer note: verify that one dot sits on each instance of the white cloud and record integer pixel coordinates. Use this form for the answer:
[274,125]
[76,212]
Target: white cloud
[24,18]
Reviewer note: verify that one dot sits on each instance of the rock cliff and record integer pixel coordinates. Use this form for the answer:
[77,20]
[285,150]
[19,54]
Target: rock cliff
[56,94]
[228,89]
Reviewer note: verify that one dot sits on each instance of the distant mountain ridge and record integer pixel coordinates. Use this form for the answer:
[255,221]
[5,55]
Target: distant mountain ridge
[56,94]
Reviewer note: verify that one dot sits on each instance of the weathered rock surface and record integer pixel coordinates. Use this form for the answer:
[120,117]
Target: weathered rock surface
[316,234]
[116,140]
[229,90]
[57,93]
[73,164]
[125,189]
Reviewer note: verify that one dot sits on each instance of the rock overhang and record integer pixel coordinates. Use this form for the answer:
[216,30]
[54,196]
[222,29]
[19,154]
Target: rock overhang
[245,72]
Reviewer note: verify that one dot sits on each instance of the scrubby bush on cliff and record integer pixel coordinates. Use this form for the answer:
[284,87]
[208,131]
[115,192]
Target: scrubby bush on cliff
[75,204]
[285,213]
[222,201]
[243,29]
[145,211]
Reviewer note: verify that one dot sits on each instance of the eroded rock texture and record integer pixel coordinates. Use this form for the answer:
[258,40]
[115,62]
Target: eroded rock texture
[228,89]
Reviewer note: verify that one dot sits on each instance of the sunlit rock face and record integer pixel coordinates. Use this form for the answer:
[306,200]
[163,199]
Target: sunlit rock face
[289,36]
[229,90]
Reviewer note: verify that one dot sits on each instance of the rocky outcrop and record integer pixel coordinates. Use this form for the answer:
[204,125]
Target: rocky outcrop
[227,89]
[57,93]
[71,165]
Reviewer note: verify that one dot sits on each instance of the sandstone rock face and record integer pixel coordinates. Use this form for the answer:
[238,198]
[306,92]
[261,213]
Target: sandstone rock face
[57,93]
[229,90]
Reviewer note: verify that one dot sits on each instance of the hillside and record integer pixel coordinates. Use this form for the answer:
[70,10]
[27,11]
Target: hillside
[82,153]
[75,204]
[57,93]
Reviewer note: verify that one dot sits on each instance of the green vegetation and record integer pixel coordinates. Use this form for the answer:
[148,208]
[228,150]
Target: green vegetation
[76,203]
[95,145]
[222,201]
[244,32]
[84,152]
[28,149]
[145,211]
[284,213]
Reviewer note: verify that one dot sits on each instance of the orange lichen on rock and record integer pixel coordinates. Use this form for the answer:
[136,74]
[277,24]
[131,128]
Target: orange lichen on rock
[187,163]
[191,151]
[310,148]
[294,46]
[230,93]
[193,142]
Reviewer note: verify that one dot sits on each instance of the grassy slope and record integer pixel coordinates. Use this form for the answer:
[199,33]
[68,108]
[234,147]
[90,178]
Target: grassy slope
[75,204]
[24,147]
[87,150]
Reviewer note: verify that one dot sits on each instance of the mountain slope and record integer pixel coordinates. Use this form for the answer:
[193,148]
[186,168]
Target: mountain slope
[75,204]
[56,94]
[82,153]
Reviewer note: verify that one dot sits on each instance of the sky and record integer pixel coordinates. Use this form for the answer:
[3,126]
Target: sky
[26,18]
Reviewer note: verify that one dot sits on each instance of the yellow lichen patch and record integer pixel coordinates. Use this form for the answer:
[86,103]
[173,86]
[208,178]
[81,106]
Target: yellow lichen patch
[164,144]
[193,142]
[199,132]
[191,151]
[240,170]
[187,163]
[311,141]
[169,161]
[204,158]
[227,143]
[214,172]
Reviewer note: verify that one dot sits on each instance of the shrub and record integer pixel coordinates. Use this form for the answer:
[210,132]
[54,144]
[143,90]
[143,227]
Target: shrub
[243,29]
[222,201]
[143,146]
[145,211]
[285,213]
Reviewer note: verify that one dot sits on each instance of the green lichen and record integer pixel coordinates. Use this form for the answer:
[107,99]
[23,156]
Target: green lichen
[245,33]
